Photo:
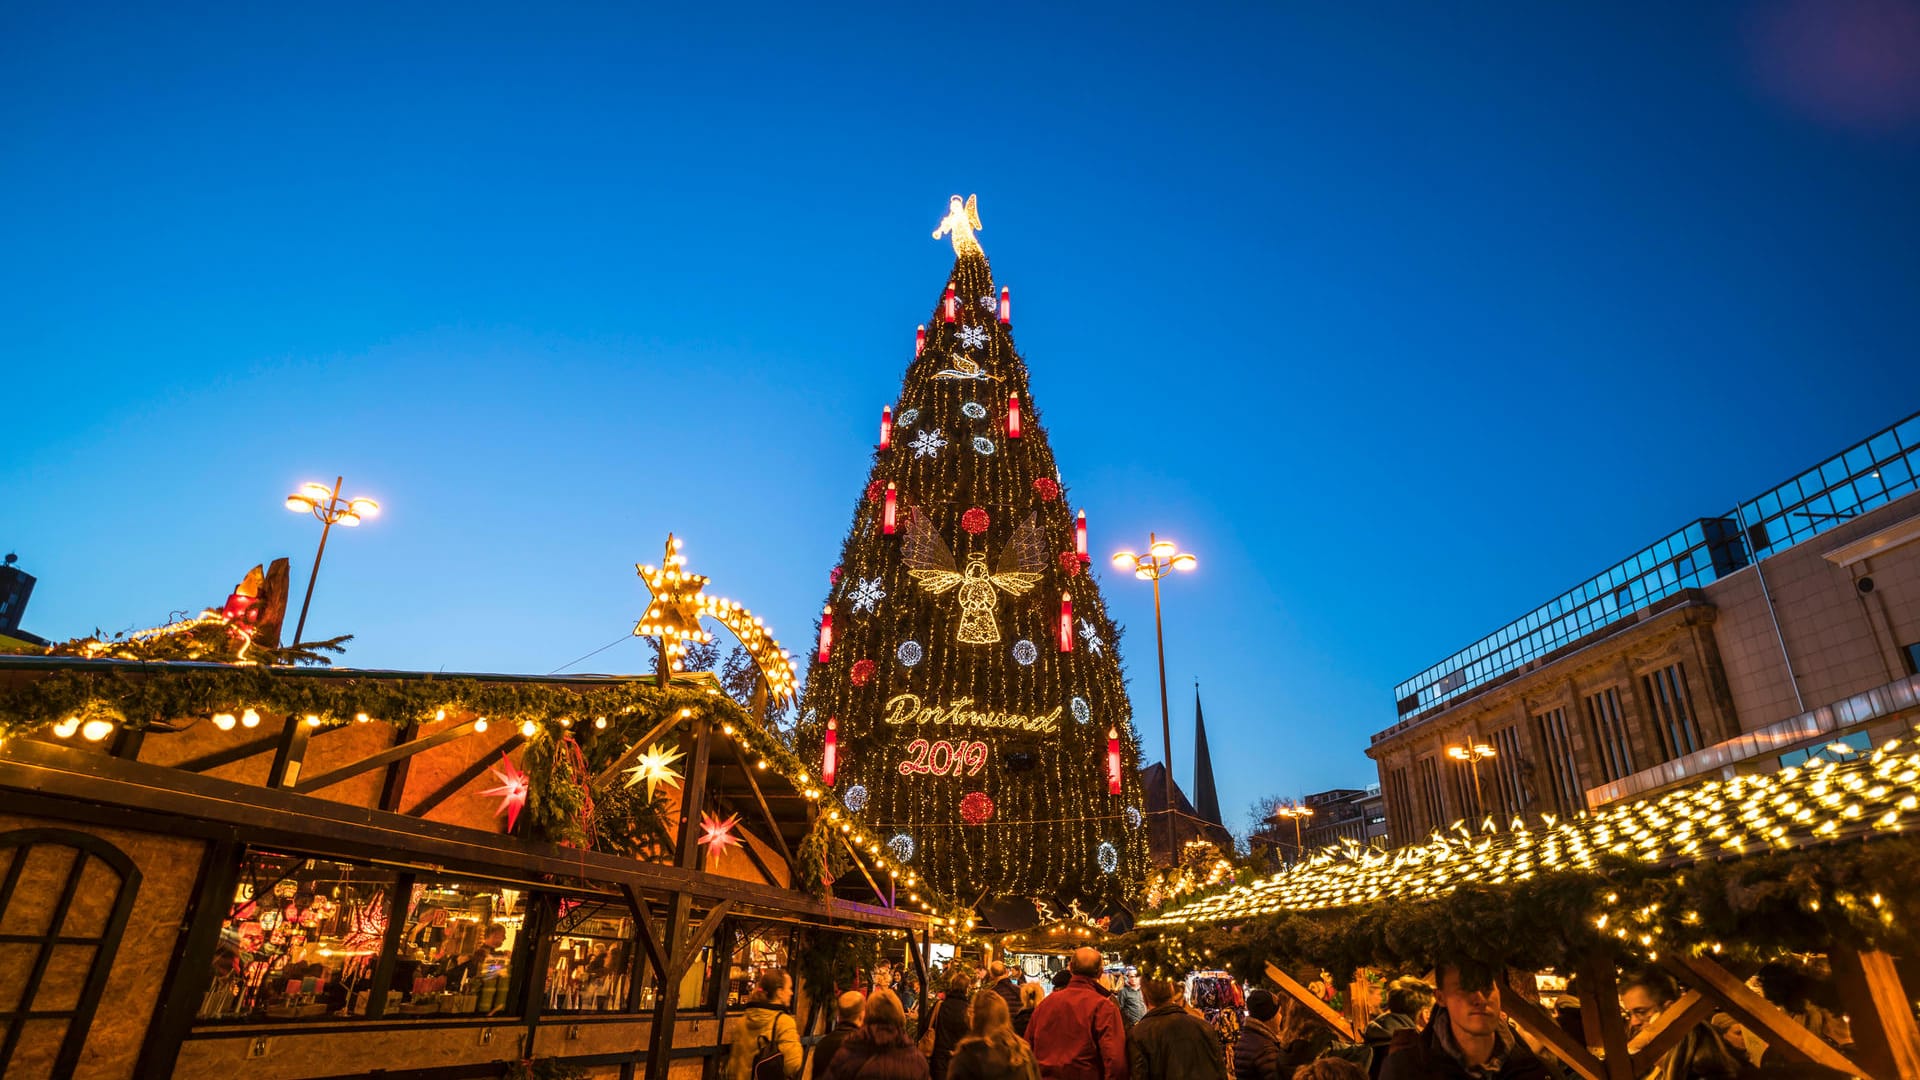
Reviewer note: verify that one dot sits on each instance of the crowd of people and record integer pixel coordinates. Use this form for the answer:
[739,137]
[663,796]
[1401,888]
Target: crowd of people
[990,1025]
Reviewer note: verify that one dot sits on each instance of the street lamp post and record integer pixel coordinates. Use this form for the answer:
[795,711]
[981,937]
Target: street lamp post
[1160,557]
[1296,812]
[332,510]
[1473,753]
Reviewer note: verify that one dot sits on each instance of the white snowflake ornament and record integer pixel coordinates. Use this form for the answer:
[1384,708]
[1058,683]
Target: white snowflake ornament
[867,595]
[972,337]
[928,443]
[1092,638]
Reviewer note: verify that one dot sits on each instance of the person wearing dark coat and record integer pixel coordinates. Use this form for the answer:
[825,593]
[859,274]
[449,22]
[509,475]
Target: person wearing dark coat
[1030,997]
[849,1006]
[1408,1001]
[992,1051]
[949,1023]
[1467,1037]
[1257,1055]
[1170,1043]
[1077,1033]
[881,1049]
[1002,981]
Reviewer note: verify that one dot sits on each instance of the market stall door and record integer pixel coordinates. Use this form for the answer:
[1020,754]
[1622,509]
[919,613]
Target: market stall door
[64,901]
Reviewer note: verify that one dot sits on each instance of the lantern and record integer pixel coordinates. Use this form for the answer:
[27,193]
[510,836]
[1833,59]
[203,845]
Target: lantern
[951,305]
[1080,537]
[886,427]
[1006,306]
[1013,416]
[919,340]
[1113,761]
[826,632]
[830,764]
[887,512]
[1066,622]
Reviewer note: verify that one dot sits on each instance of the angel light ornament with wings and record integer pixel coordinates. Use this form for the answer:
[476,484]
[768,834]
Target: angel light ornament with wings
[931,563]
[961,220]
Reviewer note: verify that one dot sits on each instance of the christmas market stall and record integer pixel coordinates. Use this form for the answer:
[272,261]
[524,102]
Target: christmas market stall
[216,869]
[1811,871]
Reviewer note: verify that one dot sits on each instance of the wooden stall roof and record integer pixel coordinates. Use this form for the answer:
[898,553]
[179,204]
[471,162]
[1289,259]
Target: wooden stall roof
[749,773]
[1827,800]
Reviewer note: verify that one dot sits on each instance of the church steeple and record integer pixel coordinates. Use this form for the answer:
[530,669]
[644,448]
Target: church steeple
[1206,800]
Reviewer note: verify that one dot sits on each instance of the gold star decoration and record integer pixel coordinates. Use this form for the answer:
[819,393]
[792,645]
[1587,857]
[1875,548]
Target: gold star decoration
[655,767]
[674,614]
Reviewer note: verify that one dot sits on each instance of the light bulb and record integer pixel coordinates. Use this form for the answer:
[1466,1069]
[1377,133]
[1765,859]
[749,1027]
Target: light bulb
[224,721]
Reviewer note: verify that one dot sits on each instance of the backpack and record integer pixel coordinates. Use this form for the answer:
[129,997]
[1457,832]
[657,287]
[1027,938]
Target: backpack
[768,1062]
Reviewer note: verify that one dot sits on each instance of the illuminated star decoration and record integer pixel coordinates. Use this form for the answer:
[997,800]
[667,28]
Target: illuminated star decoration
[674,614]
[718,835]
[655,767]
[512,790]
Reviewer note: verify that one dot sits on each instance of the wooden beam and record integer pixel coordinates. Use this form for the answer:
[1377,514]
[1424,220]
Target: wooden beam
[702,934]
[1600,992]
[383,758]
[765,810]
[862,867]
[1885,1038]
[922,949]
[230,755]
[466,776]
[725,806]
[393,786]
[651,948]
[290,752]
[1794,1042]
[1313,1003]
[1669,1029]
[688,852]
[1533,1020]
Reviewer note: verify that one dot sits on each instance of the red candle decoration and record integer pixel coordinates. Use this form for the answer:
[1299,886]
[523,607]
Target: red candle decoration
[1066,622]
[1013,416]
[886,427]
[887,514]
[826,632]
[1006,306]
[830,763]
[951,306]
[1080,537]
[919,340]
[1113,761]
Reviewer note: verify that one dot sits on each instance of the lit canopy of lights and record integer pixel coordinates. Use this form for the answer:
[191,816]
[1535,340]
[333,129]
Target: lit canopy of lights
[1822,801]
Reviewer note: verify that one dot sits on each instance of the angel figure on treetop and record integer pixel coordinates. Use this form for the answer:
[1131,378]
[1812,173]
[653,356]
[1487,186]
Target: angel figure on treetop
[961,220]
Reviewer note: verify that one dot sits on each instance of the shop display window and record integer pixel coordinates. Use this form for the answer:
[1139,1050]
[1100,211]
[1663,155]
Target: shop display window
[590,956]
[756,948]
[301,938]
[457,949]
[699,987]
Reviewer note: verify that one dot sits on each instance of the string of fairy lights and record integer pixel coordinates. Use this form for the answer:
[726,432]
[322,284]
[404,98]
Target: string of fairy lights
[1848,796]
[965,679]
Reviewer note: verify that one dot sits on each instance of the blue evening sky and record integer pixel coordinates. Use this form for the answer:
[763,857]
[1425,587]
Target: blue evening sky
[1402,316]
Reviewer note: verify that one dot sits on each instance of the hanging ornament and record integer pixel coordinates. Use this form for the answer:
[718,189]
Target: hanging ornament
[950,307]
[1108,857]
[874,490]
[909,653]
[512,790]
[975,521]
[1047,488]
[1025,653]
[1091,637]
[886,427]
[887,512]
[1113,761]
[830,759]
[826,633]
[655,767]
[928,443]
[902,847]
[1082,712]
[976,808]
[1080,537]
[919,340]
[1018,570]
[1066,622]
[856,797]
[862,672]
[972,337]
[982,445]
[867,595]
[906,418]
[718,835]
[1006,305]
[1132,814]
[833,575]
[974,410]
[1013,416]
[1070,564]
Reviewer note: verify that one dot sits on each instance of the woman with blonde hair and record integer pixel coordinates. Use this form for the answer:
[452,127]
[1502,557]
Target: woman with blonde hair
[992,1051]
[1030,995]
[881,1049]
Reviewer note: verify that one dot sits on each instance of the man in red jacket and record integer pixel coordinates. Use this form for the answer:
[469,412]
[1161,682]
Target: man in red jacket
[1076,1032]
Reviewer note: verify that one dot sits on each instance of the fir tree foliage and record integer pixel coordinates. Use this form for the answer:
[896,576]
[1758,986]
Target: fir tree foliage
[1014,719]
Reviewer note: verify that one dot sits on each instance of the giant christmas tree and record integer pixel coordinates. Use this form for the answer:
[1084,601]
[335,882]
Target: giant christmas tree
[966,684]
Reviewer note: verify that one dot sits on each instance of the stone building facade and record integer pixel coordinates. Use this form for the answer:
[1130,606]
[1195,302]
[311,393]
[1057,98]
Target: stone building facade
[1741,643]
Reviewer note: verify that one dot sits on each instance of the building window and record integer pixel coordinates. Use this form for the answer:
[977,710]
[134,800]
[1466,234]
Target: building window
[590,957]
[757,947]
[457,949]
[1913,658]
[1506,772]
[1400,801]
[1608,724]
[1674,718]
[1562,773]
[1432,803]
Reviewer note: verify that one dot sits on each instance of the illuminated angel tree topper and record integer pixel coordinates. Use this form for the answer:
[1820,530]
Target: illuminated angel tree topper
[977,727]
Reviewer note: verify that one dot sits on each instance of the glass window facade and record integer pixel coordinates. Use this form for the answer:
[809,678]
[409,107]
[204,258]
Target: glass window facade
[590,958]
[1608,725]
[1673,714]
[1563,783]
[300,939]
[1875,472]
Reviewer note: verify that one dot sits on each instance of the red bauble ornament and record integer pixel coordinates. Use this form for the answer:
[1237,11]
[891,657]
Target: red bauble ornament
[1070,563]
[833,576]
[1047,488]
[975,521]
[875,489]
[976,808]
[862,672]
